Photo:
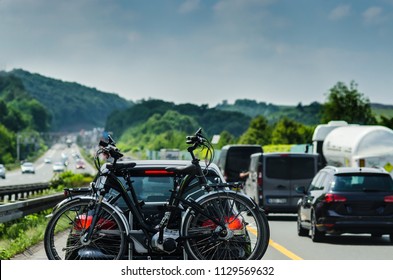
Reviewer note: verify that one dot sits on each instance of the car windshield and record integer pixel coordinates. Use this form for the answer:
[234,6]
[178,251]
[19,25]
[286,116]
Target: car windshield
[362,182]
[27,164]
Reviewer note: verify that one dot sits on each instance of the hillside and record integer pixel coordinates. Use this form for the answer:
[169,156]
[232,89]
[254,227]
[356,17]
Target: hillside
[71,105]
[305,114]
[212,120]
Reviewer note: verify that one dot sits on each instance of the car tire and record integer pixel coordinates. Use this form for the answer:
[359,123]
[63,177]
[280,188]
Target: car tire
[316,235]
[301,231]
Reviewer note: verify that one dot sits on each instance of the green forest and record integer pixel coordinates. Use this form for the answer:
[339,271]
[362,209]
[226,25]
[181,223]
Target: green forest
[34,107]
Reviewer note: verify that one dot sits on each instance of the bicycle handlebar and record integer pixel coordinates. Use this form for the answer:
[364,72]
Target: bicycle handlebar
[197,138]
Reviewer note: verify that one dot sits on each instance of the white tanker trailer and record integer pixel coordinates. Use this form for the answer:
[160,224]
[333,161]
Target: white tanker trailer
[359,146]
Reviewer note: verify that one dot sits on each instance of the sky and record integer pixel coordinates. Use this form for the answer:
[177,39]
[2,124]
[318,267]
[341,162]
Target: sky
[282,52]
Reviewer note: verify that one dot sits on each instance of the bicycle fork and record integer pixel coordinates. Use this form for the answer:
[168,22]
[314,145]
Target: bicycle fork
[86,238]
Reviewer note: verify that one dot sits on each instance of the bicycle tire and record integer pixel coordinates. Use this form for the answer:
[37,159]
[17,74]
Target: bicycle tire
[65,229]
[247,229]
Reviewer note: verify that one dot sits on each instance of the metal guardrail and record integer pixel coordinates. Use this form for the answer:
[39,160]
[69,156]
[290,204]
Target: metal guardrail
[16,210]
[21,191]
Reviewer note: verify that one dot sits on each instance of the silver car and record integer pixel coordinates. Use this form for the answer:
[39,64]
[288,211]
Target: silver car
[2,171]
[27,167]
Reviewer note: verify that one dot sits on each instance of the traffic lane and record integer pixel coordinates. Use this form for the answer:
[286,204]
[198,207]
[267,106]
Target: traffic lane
[345,247]
[44,171]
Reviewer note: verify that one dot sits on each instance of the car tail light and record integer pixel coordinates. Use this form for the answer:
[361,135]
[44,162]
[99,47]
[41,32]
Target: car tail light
[331,197]
[388,199]
[83,222]
[260,179]
[157,172]
[234,223]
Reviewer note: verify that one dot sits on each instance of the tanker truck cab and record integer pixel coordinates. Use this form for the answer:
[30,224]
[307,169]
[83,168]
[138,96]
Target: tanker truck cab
[274,177]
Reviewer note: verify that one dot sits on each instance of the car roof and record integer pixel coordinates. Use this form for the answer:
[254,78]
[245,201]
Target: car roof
[141,164]
[343,170]
[162,162]
[290,154]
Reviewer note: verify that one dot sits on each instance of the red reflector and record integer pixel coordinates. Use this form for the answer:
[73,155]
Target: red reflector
[157,172]
[388,199]
[331,197]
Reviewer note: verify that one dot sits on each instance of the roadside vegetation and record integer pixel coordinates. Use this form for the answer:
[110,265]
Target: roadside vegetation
[19,235]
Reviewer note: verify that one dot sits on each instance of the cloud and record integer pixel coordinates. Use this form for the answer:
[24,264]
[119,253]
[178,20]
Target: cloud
[372,15]
[340,12]
[189,6]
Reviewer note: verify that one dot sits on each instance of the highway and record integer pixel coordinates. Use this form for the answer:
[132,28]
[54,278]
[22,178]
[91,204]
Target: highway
[44,171]
[285,244]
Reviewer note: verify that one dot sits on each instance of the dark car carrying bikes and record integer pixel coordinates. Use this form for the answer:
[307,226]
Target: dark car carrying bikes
[203,218]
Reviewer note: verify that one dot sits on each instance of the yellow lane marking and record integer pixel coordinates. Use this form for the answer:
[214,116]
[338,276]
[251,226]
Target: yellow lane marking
[284,251]
[277,246]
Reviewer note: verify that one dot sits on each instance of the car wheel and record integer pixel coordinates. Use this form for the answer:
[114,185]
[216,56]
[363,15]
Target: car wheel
[316,235]
[301,231]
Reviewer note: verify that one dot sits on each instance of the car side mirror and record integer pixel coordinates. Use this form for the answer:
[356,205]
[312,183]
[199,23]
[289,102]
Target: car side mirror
[301,190]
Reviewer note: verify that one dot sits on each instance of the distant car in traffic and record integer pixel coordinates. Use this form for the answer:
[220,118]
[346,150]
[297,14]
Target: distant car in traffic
[346,200]
[80,164]
[27,167]
[273,178]
[2,171]
[58,167]
[47,160]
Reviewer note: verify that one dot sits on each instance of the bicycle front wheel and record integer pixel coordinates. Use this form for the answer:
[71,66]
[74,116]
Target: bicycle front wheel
[69,224]
[245,235]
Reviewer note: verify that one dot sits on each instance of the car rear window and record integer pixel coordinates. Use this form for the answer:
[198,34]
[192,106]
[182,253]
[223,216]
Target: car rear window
[290,168]
[239,159]
[150,186]
[362,182]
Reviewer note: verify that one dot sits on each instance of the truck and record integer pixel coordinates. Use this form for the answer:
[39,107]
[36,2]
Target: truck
[359,146]
[319,135]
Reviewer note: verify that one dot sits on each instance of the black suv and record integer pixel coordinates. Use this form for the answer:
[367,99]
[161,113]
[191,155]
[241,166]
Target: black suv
[346,200]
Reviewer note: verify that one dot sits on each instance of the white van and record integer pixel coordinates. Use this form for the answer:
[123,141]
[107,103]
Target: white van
[274,177]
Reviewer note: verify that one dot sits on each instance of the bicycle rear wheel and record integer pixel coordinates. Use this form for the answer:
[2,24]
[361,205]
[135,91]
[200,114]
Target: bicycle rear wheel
[245,236]
[69,224]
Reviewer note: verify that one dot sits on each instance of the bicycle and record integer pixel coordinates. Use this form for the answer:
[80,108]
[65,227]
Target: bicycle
[220,224]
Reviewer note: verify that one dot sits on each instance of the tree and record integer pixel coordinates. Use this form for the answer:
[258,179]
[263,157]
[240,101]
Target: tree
[259,132]
[7,145]
[347,104]
[225,139]
[288,131]
[386,121]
